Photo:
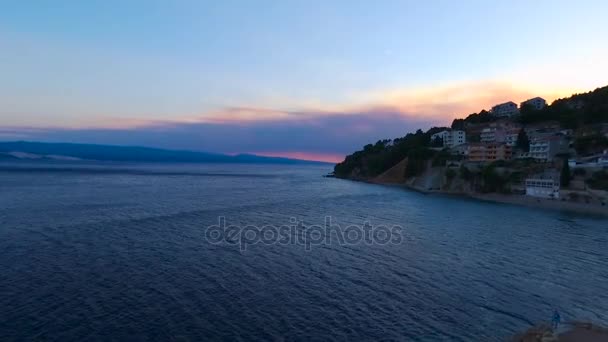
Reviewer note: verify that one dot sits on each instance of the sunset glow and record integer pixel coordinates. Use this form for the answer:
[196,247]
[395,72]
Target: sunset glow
[191,79]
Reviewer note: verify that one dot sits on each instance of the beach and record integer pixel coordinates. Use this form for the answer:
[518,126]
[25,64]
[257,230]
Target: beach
[592,208]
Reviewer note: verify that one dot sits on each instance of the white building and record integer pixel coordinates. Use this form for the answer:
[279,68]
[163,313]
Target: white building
[544,185]
[506,109]
[462,150]
[597,161]
[546,149]
[536,103]
[492,135]
[451,138]
[511,137]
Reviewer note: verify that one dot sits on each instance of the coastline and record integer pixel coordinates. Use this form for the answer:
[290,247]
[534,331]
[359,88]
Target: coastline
[544,203]
[519,200]
[573,331]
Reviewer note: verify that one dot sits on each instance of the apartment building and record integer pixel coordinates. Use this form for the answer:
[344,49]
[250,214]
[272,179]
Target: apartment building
[451,138]
[536,103]
[511,137]
[545,149]
[493,135]
[506,109]
[488,152]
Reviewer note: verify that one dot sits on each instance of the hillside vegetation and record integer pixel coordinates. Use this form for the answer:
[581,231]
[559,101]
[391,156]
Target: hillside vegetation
[575,112]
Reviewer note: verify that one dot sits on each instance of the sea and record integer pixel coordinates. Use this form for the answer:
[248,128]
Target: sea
[242,252]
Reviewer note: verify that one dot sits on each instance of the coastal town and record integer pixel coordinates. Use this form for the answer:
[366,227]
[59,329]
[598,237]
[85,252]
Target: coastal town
[531,152]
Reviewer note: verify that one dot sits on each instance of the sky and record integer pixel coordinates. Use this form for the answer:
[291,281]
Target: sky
[306,79]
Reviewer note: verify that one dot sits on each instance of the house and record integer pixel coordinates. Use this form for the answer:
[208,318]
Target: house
[546,127]
[506,124]
[511,137]
[594,161]
[506,109]
[450,138]
[546,148]
[545,185]
[462,150]
[488,152]
[493,134]
[537,103]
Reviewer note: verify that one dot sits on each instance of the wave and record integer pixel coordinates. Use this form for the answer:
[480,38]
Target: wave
[110,171]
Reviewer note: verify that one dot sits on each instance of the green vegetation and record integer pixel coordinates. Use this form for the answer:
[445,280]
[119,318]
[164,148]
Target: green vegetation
[437,142]
[465,173]
[377,158]
[516,177]
[589,144]
[442,157]
[572,112]
[450,174]
[492,180]
[587,113]
[474,138]
[523,142]
[599,180]
[476,118]
[580,172]
[416,161]
[565,175]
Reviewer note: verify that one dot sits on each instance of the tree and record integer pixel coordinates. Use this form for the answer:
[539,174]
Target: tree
[492,180]
[416,161]
[450,174]
[458,124]
[523,142]
[565,176]
[437,142]
[527,109]
[465,173]
[474,138]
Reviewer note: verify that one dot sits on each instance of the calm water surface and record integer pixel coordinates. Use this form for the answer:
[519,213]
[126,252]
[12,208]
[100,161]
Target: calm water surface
[119,253]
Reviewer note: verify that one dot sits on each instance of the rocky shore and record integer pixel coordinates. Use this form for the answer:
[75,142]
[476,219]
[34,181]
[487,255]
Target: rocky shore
[571,332]
[432,181]
[595,209]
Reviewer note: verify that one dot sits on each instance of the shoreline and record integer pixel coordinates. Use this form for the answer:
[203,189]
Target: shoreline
[519,200]
[572,331]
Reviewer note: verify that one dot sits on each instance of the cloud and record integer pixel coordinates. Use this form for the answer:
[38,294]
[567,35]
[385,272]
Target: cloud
[323,137]
[438,103]
[310,133]
[456,100]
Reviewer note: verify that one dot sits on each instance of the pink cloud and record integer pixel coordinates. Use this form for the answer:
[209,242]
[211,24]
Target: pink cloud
[322,133]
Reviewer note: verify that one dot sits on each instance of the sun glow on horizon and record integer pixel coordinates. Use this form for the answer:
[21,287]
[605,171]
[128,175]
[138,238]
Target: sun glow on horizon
[310,156]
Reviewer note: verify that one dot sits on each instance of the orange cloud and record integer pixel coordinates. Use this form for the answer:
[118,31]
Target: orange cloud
[457,100]
[439,103]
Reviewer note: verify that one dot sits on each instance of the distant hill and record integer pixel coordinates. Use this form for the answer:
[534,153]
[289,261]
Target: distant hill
[17,150]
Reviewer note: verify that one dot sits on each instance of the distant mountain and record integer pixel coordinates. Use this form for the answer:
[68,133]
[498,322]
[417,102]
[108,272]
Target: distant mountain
[17,150]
